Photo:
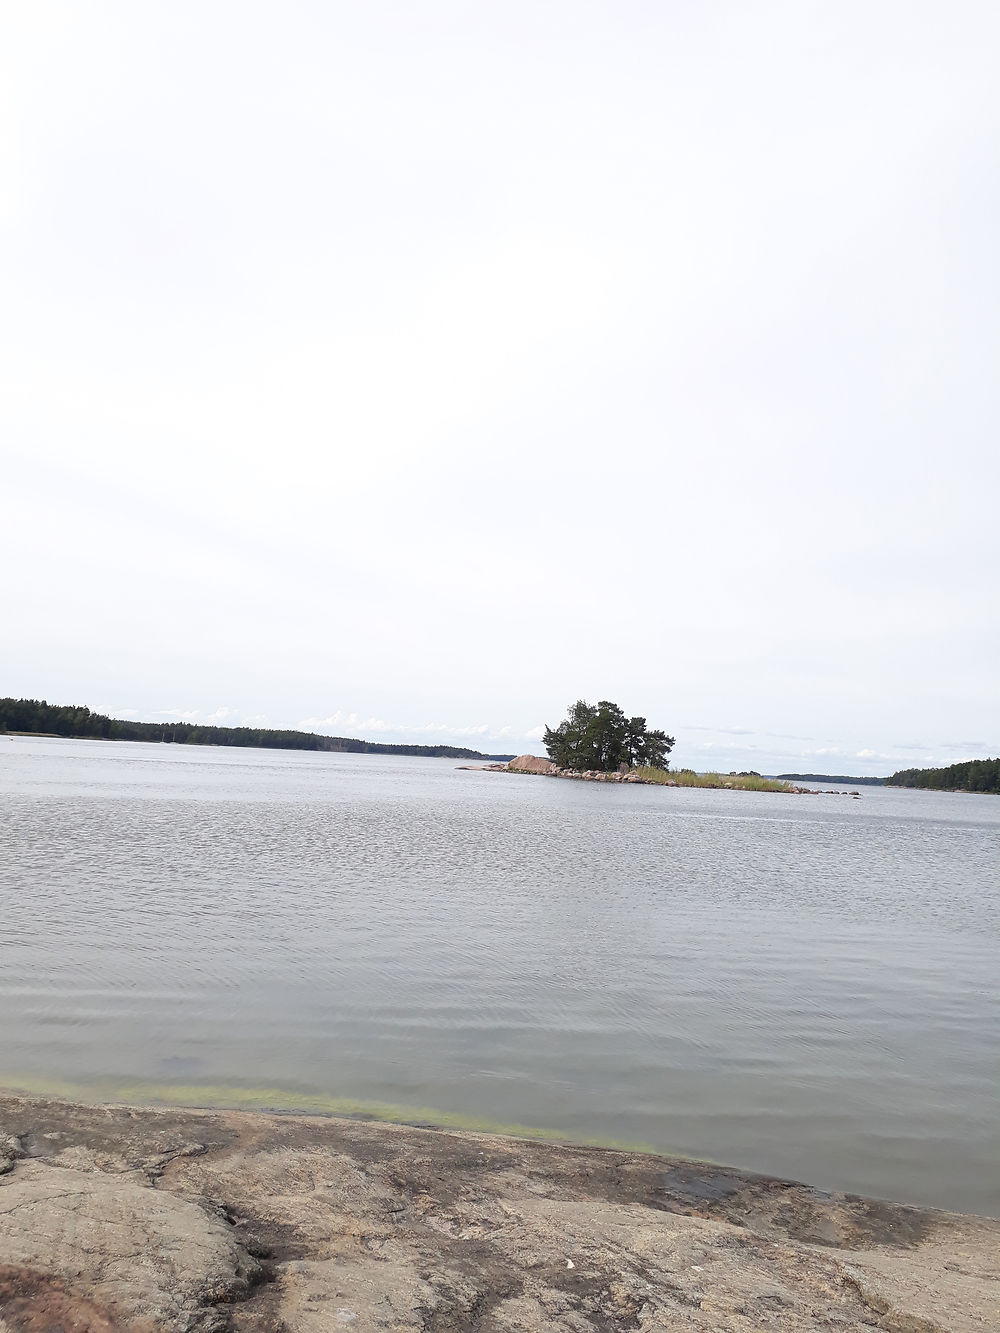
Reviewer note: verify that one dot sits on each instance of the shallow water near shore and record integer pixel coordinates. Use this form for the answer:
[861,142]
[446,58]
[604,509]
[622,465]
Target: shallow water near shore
[799,985]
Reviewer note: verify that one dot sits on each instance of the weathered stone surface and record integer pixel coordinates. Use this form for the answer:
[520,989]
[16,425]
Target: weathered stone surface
[147,1220]
[10,1151]
[531,763]
[142,1255]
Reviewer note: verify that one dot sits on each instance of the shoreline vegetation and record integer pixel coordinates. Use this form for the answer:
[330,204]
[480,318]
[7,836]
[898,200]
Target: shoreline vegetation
[687,777]
[34,717]
[649,776]
[975,775]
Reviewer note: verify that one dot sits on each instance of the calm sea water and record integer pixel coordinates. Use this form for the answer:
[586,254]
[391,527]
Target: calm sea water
[805,985]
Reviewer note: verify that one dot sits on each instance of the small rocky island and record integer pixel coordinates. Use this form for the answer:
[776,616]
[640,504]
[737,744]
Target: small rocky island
[646,776]
[118,1219]
[601,743]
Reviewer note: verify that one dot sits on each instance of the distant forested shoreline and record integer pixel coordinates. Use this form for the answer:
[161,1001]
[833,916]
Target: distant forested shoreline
[982,775]
[977,775]
[36,717]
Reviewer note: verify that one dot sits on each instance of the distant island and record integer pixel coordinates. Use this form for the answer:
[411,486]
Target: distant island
[976,775]
[35,717]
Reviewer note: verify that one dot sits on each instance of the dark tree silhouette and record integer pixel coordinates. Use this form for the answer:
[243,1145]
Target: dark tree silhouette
[600,737]
[37,717]
[982,775]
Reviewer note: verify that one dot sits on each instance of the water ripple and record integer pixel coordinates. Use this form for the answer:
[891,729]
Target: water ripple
[799,985]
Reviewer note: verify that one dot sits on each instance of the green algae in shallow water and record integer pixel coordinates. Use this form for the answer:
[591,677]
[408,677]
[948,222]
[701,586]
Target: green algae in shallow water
[224,1097]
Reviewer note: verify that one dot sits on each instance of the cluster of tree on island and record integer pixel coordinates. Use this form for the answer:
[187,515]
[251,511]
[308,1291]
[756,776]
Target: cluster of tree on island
[35,716]
[600,738]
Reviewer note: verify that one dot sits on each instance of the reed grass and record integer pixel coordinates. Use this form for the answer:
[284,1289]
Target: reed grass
[687,777]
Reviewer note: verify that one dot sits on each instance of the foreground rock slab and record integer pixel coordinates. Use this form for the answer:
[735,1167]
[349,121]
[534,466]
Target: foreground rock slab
[116,1219]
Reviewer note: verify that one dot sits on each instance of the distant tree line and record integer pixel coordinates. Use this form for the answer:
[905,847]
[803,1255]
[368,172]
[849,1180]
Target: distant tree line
[41,718]
[599,737]
[828,777]
[981,775]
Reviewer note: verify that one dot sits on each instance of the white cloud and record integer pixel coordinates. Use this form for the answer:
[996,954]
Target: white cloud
[727,749]
[721,731]
[352,721]
[218,717]
[357,723]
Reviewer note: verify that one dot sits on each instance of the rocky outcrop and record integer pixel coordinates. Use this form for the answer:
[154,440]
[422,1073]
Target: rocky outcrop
[532,763]
[115,1219]
[157,1259]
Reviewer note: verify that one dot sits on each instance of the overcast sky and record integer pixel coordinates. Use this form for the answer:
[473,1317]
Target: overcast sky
[410,370]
